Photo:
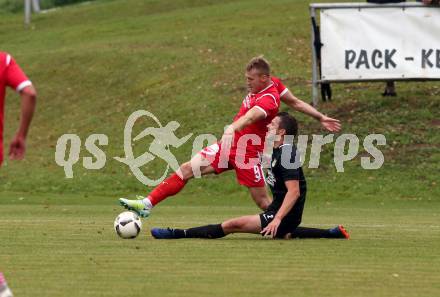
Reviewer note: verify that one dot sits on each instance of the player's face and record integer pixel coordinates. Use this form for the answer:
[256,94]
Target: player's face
[255,81]
[274,126]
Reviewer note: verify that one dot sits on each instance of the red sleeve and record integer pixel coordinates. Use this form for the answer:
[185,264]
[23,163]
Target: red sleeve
[268,103]
[15,77]
[281,88]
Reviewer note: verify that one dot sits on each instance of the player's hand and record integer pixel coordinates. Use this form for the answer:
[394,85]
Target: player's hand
[330,124]
[272,228]
[17,148]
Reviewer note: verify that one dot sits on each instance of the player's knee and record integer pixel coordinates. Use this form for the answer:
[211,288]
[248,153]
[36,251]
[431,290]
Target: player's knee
[232,226]
[264,204]
[261,198]
[186,171]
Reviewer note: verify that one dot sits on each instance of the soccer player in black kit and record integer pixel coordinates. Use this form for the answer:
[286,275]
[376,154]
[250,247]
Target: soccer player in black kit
[288,187]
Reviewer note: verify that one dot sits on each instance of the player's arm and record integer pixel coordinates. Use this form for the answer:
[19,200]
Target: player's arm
[17,80]
[253,115]
[287,205]
[330,124]
[28,102]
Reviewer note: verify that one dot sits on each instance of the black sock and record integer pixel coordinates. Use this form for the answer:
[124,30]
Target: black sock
[178,233]
[208,231]
[304,232]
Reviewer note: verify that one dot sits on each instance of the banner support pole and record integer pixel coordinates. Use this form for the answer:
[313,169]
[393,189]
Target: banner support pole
[315,86]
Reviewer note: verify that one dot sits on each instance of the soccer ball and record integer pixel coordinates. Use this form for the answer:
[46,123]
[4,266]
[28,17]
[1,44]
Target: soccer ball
[128,225]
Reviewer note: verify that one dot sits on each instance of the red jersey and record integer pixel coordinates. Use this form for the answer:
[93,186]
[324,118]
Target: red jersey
[268,101]
[10,75]
[243,156]
[279,85]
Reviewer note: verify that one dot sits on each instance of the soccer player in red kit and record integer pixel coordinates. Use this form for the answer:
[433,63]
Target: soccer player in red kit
[242,142]
[12,76]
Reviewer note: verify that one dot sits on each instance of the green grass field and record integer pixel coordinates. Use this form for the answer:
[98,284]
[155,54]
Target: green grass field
[95,63]
[53,246]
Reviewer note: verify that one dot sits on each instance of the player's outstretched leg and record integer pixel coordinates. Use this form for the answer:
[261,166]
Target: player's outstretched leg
[245,224]
[138,206]
[339,232]
[142,206]
[208,231]
[169,187]
[164,233]
[304,232]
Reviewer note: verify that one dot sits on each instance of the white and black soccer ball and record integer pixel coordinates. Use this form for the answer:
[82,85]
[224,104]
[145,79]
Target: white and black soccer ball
[128,225]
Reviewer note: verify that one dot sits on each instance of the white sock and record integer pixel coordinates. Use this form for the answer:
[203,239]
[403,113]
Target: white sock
[6,292]
[147,203]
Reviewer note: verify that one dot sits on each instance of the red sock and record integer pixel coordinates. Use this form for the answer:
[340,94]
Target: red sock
[169,187]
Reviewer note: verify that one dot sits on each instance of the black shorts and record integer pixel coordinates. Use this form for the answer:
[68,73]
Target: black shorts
[287,225]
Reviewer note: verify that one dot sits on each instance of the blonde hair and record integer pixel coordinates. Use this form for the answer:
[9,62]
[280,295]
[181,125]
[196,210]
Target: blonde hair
[259,63]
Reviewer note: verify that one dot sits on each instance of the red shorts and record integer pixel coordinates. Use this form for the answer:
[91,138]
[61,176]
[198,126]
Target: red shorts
[247,168]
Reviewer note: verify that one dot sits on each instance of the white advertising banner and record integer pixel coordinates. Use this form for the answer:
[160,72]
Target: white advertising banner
[380,43]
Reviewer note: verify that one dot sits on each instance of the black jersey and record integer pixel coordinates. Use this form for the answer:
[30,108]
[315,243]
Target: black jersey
[282,169]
